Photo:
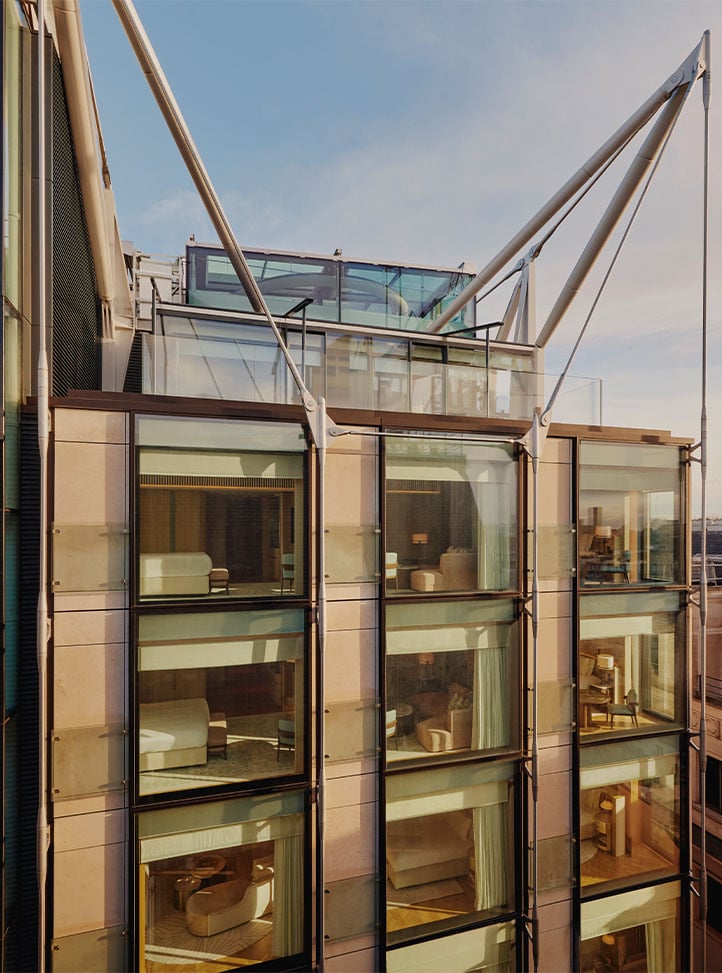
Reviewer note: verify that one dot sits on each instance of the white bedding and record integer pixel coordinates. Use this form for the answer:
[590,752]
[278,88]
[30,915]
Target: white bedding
[174,725]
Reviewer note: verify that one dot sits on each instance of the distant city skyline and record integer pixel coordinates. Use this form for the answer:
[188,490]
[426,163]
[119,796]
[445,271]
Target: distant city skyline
[429,133]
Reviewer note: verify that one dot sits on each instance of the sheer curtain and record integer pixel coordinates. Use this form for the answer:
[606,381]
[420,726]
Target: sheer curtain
[490,720]
[660,939]
[490,851]
[494,510]
[287,937]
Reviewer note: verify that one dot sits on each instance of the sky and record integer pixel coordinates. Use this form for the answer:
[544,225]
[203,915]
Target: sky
[429,133]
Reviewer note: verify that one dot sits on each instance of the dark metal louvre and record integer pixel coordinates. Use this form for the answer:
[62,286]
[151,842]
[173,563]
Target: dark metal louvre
[134,371]
[26,919]
[76,308]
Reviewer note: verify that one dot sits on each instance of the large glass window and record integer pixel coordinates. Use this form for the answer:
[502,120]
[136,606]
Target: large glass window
[221,886]
[451,678]
[631,662]
[485,948]
[637,930]
[629,813]
[451,516]
[220,698]
[220,509]
[449,847]
[630,514]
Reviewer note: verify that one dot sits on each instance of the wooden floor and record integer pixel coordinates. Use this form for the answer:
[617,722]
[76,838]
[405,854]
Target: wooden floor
[604,867]
[434,910]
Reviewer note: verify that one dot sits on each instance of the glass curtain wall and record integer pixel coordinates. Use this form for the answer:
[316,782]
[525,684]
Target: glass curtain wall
[451,678]
[630,511]
[449,847]
[220,698]
[631,656]
[221,886]
[637,930]
[221,509]
[451,514]
[629,808]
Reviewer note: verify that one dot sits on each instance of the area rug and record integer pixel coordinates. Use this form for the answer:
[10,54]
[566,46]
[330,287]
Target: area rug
[421,893]
[174,944]
[251,754]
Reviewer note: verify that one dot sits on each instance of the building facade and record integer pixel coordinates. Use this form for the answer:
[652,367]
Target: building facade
[392,697]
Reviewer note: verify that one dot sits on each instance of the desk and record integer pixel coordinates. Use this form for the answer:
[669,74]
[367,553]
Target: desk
[589,698]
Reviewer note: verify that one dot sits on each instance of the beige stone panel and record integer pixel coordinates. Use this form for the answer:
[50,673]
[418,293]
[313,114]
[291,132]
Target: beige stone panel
[90,483]
[556,760]
[351,665]
[94,804]
[89,685]
[358,961]
[89,831]
[344,616]
[553,585]
[89,426]
[554,494]
[555,605]
[89,889]
[560,897]
[352,591]
[88,627]
[92,601]
[554,658]
[550,741]
[555,946]
[348,791]
[345,769]
[557,451]
[553,808]
[351,489]
[350,841]
[557,916]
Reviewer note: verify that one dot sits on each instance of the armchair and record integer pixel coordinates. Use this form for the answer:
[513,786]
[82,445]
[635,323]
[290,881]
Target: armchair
[457,571]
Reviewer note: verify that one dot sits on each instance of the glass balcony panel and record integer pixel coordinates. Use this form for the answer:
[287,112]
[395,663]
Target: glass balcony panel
[352,553]
[90,557]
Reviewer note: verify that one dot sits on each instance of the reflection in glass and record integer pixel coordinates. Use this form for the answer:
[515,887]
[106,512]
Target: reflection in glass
[220,510]
[449,848]
[228,894]
[220,698]
[450,669]
[629,813]
[451,515]
[630,514]
[631,655]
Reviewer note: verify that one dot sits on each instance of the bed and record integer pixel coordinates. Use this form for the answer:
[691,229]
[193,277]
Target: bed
[173,733]
[427,849]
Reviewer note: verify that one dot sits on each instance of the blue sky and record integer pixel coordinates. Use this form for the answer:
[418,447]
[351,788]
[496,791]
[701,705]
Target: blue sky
[430,132]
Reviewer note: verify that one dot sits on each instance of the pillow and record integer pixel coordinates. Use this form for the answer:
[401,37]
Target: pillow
[459,697]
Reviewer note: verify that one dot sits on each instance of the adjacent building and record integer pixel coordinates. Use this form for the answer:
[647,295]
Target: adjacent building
[298,711]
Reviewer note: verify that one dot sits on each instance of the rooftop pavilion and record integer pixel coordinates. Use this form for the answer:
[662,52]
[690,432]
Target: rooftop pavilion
[359,331]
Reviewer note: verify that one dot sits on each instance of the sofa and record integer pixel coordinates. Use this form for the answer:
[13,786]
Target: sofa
[175,574]
[228,904]
[457,571]
[173,733]
[449,725]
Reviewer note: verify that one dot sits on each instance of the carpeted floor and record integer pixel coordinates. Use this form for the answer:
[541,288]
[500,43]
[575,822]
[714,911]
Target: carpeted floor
[251,754]
[170,942]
